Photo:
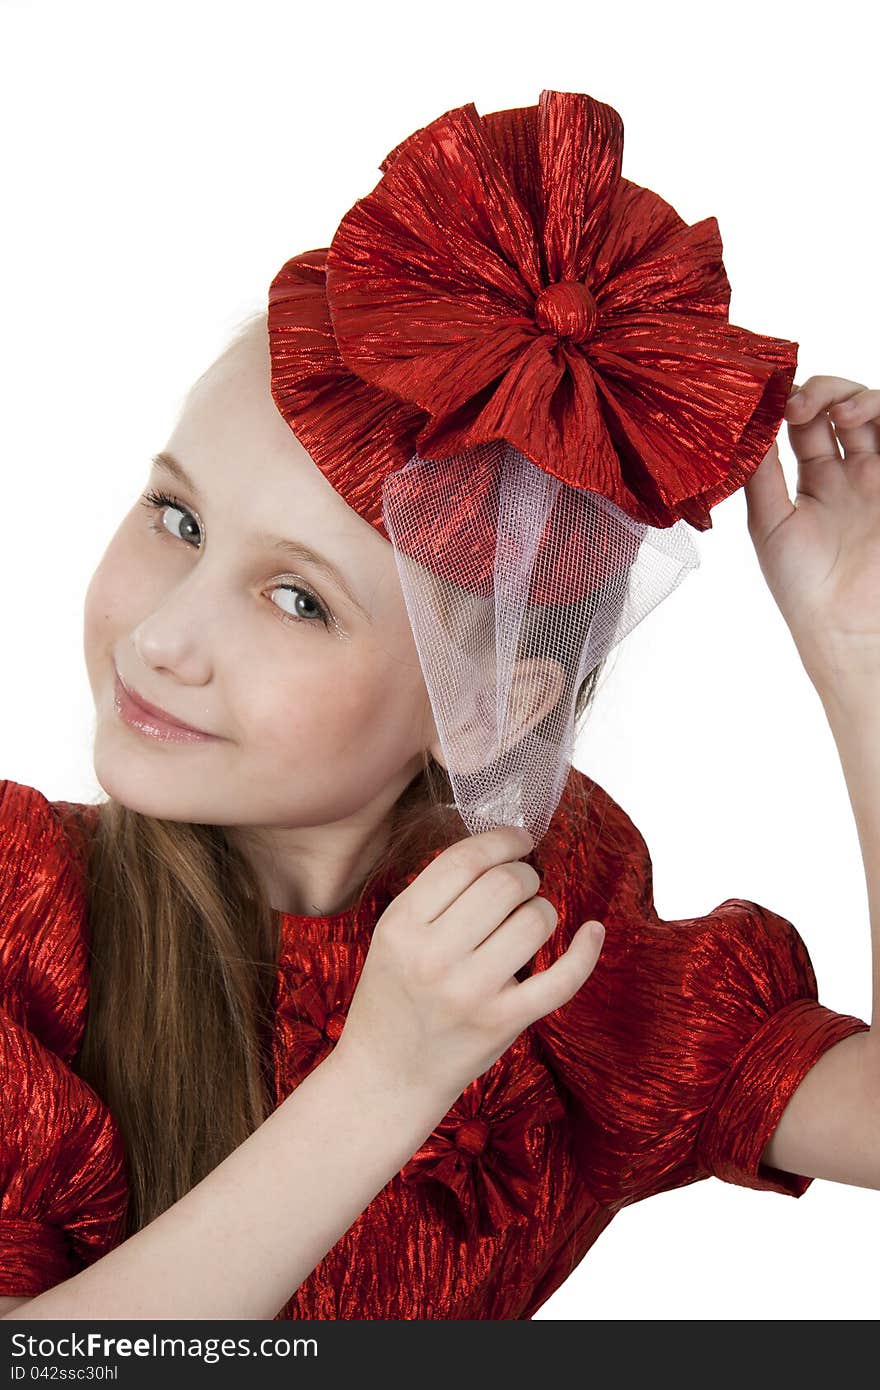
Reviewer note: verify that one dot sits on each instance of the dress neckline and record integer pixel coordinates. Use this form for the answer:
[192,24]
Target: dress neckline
[355,922]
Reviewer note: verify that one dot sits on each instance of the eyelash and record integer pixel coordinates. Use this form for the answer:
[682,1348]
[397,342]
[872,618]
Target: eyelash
[155,501]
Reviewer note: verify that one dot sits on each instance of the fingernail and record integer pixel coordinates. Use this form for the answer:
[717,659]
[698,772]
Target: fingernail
[794,391]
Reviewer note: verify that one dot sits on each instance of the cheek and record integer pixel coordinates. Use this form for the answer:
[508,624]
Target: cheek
[117,597]
[106,601]
[323,707]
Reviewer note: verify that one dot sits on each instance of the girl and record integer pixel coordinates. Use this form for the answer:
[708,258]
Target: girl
[278,1038]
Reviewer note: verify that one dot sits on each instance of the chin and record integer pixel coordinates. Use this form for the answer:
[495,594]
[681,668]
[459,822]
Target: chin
[145,784]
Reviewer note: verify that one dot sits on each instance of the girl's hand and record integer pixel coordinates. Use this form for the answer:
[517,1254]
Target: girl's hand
[820,555]
[438,1001]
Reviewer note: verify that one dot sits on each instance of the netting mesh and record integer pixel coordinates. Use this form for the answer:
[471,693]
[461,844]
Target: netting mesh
[517,586]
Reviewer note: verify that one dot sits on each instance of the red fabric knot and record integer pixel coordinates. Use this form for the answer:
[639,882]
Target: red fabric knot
[334,1026]
[310,1016]
[568,310]
[473,1135]
[481,1150]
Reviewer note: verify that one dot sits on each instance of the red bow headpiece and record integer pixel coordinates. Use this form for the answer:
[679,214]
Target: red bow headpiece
[503,281]
[517,366]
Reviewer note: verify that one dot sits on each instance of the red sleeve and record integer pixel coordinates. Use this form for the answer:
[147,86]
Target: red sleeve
[62,1179]
[682,1049]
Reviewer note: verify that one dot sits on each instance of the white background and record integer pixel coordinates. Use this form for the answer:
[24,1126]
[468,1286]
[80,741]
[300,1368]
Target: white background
[160,163]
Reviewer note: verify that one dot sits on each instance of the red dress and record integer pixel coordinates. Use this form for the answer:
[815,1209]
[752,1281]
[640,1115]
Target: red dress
[672,1063]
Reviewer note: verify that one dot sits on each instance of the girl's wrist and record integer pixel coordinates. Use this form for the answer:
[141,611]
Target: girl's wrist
[852,707]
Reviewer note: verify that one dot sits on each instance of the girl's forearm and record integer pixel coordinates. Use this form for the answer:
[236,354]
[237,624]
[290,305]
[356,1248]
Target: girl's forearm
[240,1242]
[854,716]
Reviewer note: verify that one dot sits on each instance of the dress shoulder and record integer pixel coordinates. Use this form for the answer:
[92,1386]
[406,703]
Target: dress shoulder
[682,1049]
[43,941]
[62,1175]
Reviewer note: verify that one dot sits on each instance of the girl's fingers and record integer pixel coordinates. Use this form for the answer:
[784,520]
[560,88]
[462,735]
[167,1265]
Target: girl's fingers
[857,422]
[815,413]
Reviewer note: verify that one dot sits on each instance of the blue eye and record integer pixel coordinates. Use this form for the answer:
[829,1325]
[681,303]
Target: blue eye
[158,501]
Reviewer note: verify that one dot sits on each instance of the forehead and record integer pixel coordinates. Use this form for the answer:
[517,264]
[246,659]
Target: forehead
[231,433]
[233,451]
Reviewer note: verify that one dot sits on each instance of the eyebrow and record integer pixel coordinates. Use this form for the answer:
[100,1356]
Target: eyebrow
[291,549]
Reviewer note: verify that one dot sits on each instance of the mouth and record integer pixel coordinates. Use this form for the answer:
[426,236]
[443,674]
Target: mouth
[150,719]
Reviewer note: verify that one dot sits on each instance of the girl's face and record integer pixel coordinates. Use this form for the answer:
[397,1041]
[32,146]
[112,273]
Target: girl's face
[319,709]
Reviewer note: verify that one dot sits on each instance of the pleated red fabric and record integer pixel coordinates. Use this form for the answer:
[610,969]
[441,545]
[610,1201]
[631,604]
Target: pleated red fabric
[671,1064]
[503,280]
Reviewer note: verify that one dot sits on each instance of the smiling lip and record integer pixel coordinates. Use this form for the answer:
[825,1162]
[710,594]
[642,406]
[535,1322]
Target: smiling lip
[150,719]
